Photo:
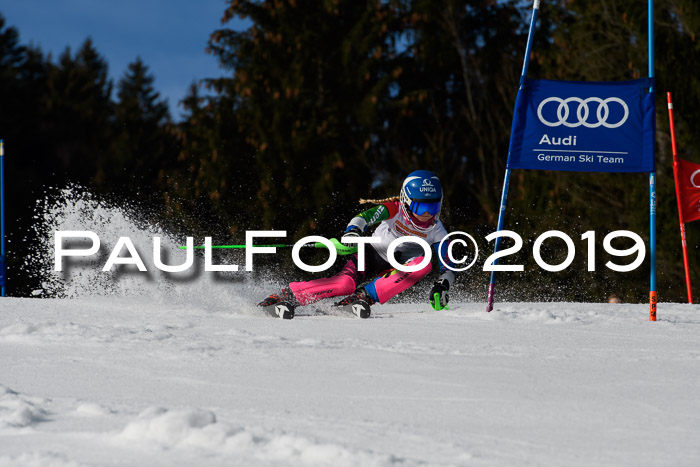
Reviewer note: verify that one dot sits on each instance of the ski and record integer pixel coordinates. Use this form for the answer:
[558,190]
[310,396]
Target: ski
[359,308]
[283,310]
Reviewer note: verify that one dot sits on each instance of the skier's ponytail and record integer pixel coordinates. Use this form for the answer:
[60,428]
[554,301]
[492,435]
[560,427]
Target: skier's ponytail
[378,201]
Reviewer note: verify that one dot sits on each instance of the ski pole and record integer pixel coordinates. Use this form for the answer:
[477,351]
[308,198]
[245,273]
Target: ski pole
[201,247]
[339,247]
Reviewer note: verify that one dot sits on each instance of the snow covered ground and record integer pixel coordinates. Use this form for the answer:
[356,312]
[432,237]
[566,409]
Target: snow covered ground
[136,369]
[124,381]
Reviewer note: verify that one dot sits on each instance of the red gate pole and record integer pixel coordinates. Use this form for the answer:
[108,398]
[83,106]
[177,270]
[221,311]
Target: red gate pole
[678,197]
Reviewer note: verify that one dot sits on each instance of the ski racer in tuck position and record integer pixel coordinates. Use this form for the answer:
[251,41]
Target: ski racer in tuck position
[415,212]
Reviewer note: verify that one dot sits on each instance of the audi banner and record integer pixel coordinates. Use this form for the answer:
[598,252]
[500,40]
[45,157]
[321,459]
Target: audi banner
[583,126]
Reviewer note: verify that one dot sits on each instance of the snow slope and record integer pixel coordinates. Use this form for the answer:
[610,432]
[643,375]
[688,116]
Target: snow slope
[138,369]
[124,381]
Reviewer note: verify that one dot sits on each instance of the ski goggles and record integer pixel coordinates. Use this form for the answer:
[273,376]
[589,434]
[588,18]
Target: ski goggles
[421,207]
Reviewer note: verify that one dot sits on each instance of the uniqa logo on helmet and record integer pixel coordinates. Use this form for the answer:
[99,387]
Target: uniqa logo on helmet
[428,186]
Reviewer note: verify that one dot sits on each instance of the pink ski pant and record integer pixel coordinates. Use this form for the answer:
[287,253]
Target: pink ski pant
[345,282]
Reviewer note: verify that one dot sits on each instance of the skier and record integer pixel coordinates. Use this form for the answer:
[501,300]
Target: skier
[416,212]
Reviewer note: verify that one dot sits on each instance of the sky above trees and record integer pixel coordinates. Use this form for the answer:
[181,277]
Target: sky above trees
[169,35]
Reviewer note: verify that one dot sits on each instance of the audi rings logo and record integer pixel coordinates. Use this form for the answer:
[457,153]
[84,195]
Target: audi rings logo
[583,111]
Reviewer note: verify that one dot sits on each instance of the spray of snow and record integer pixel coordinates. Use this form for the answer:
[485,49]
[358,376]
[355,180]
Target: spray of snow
[75,209]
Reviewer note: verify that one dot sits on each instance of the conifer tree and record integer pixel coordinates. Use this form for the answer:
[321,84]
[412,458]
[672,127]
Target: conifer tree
[143,146]
[455,97]
[79,112]
[309,86]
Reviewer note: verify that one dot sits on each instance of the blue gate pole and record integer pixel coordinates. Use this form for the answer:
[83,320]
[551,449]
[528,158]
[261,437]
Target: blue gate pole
[3,269]
[497,244]
[506,181]
[653,300]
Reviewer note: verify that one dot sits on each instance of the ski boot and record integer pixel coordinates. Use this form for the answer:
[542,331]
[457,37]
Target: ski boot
[357,303]
[280,305]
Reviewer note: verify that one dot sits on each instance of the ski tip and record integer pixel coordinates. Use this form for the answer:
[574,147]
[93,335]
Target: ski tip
[361,309]
[358,308]
[282,310]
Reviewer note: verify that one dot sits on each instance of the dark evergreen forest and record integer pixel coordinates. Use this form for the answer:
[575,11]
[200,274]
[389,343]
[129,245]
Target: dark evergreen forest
[323,102]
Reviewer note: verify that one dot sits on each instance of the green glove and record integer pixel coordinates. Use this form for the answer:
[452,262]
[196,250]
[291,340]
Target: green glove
[439,295]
